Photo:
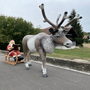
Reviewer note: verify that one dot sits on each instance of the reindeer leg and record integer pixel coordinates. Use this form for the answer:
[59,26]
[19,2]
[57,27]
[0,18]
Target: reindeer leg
[43,58]
[26,62]
[27,66]
[29,62]
[26,59]
[44,68]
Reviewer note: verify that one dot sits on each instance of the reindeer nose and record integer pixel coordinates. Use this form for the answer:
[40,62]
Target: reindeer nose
[68,43]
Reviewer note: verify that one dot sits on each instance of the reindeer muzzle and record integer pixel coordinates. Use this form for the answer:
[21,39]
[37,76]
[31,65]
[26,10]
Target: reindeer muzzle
[68,44]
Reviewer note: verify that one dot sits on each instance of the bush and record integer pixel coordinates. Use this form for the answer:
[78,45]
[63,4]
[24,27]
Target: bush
[16,29]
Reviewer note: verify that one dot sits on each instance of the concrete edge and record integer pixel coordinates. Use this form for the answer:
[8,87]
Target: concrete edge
[82,65]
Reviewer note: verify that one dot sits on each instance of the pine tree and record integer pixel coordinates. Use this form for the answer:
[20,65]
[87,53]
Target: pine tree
[78,28]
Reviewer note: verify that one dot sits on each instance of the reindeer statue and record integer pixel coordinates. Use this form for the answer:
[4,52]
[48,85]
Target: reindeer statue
[43,43]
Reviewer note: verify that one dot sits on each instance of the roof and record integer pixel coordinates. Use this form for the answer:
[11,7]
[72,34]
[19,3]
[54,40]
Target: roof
[85,37]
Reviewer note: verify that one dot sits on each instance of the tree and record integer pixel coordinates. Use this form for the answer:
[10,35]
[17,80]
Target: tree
[78,28]
[16,29]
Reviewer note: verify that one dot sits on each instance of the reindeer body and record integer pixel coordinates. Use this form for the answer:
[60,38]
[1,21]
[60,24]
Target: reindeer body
[43,43]
[42,40]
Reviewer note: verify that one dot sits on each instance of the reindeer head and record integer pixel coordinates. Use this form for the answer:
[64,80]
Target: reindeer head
[59,31]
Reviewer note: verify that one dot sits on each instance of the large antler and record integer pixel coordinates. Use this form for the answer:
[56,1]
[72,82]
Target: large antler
[46,20]
[75,18]
[64,17]
[57,26]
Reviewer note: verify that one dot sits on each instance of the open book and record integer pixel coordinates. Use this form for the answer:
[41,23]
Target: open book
[16,46]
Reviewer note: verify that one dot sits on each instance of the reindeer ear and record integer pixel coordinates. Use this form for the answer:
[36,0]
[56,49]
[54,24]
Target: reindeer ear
[51,30]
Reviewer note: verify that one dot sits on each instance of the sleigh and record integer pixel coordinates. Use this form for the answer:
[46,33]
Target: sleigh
[7,57]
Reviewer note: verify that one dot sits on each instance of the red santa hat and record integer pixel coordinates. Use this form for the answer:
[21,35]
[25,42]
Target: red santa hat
[11,41]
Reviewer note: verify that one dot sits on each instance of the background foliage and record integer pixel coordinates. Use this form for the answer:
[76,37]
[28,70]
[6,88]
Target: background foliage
[16,29]
[78,28]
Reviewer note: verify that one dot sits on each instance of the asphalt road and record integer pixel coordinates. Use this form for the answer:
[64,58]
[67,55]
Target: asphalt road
[17,78]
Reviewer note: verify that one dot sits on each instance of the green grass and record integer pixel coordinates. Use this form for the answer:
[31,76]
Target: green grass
[82,53]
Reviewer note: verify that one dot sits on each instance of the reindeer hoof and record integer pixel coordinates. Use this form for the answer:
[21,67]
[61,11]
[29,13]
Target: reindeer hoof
[45,75]
[30,64]
[27,68]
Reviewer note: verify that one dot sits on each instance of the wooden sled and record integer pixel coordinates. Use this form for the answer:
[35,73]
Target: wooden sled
[7,59]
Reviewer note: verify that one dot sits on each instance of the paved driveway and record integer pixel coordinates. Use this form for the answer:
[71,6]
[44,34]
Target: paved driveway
[17,78]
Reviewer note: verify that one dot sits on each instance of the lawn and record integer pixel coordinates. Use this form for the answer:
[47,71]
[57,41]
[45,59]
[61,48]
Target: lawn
[77,53]
[80,53]
[87,45]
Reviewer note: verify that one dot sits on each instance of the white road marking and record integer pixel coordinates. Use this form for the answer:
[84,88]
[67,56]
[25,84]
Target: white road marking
[65,68]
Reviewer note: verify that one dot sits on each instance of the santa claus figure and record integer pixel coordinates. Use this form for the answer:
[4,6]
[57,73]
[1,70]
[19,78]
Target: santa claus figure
[12,52]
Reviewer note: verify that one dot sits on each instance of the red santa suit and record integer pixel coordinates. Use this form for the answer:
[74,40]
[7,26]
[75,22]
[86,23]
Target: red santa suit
[11,51]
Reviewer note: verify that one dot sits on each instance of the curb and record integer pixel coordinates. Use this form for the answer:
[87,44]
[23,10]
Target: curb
[82,65]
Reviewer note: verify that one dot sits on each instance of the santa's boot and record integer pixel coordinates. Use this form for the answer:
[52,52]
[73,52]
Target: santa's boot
[20,58]
[15,59]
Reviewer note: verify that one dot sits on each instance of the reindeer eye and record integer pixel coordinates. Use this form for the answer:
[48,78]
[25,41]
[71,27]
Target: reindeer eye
[57,36]
[65,31]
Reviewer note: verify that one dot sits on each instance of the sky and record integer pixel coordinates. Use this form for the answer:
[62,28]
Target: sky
[29,10]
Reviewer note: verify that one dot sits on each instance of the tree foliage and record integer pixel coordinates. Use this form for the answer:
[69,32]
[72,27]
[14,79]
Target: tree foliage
[78,28]
[16,29]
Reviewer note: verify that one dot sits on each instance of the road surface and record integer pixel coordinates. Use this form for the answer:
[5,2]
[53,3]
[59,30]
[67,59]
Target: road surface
[17,78]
